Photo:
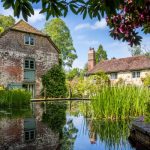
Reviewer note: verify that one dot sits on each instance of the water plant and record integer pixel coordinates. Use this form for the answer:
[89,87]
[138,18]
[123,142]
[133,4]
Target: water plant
[113,133]
[14,98]
[120,102]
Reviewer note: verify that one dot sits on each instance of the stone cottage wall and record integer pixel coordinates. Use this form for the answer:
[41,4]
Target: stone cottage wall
[13,52]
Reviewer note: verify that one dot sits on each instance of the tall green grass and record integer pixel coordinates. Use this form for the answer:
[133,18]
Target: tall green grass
[14,98]
[120,102]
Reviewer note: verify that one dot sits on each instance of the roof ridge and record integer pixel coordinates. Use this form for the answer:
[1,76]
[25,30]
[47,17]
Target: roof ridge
[33,28]
[123,58]
[122,64]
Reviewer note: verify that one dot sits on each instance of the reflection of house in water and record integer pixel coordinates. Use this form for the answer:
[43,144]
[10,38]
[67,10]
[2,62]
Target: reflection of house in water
[92,133]
[29,129]
[26,134]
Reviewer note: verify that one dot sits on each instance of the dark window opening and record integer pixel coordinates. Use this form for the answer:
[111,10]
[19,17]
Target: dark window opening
[29,135]
[29,64]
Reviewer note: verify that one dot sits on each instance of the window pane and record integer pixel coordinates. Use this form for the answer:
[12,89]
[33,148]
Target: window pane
[32,135]
[31,64]
[138,74]
[113,75]
[26,63]
[31,40]
[27,136]
[26,39]
[133,74]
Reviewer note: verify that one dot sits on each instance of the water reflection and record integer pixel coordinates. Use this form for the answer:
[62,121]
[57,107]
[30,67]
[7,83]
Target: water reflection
[63,126]
[26,131]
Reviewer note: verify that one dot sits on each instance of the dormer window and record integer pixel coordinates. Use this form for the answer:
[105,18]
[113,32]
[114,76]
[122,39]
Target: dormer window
[29,40]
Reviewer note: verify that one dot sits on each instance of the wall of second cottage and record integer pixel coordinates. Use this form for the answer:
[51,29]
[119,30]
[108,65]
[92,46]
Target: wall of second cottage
[13,51]
[127,77]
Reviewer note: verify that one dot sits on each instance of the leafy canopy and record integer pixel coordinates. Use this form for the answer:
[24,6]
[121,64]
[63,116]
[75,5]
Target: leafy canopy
[54,82]
[100,54]
[60,34]
[124,16]
[6,22]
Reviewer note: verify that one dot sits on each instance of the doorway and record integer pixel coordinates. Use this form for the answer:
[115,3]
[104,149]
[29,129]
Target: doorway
[30,88]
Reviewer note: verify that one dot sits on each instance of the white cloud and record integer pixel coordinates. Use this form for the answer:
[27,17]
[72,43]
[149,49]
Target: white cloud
[36,17]
[82,26]
[97,25]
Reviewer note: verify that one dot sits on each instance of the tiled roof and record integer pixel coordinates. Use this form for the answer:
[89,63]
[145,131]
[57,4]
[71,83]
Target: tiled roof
[122,64]
[25,27]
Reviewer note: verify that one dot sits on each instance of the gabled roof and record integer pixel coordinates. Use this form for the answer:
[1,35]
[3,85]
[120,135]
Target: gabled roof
[122,64]
[25,27]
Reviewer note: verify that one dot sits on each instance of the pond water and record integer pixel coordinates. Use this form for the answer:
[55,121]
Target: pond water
[61,126]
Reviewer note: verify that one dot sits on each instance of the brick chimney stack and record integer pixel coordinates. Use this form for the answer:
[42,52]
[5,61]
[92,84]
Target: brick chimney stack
[91,59]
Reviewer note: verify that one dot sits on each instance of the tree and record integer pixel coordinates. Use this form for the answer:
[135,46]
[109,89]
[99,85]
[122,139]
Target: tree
[100,54]
[60,34]
[6,22]
[73,73]
[124,16]
[53,81]
[138,51]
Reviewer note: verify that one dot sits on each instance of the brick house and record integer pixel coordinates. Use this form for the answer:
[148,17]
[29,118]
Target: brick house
[25,55]
[130,70]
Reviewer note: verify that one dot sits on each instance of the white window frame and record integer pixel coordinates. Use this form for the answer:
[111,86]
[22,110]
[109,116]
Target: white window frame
[29,38]
[136,74]
[113,76]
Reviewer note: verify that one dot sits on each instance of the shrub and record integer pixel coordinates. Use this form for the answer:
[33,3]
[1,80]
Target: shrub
[146,80]
[14,98]
[54,82]
[85,87]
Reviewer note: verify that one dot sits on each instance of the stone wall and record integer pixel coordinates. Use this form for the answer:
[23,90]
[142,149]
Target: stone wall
[13,52]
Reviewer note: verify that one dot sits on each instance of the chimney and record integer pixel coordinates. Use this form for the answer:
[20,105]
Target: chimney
[91,59]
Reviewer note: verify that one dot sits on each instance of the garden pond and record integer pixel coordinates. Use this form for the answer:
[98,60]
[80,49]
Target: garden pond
[61,126]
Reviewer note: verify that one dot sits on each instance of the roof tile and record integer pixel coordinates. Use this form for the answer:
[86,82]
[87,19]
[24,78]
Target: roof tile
[122,64]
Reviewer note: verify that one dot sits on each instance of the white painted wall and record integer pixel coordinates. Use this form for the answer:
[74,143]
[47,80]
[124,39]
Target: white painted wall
[127,77]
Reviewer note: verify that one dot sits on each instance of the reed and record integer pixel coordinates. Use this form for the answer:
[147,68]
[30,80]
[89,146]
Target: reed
[14,98]
[120,102]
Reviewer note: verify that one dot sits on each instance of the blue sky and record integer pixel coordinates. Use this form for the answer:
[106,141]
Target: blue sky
[85,33]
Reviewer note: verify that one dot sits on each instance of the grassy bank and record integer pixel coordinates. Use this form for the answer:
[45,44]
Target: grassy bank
[14,98]
[120,102]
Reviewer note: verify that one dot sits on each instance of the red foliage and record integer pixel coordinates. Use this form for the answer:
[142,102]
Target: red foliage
[131,16]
